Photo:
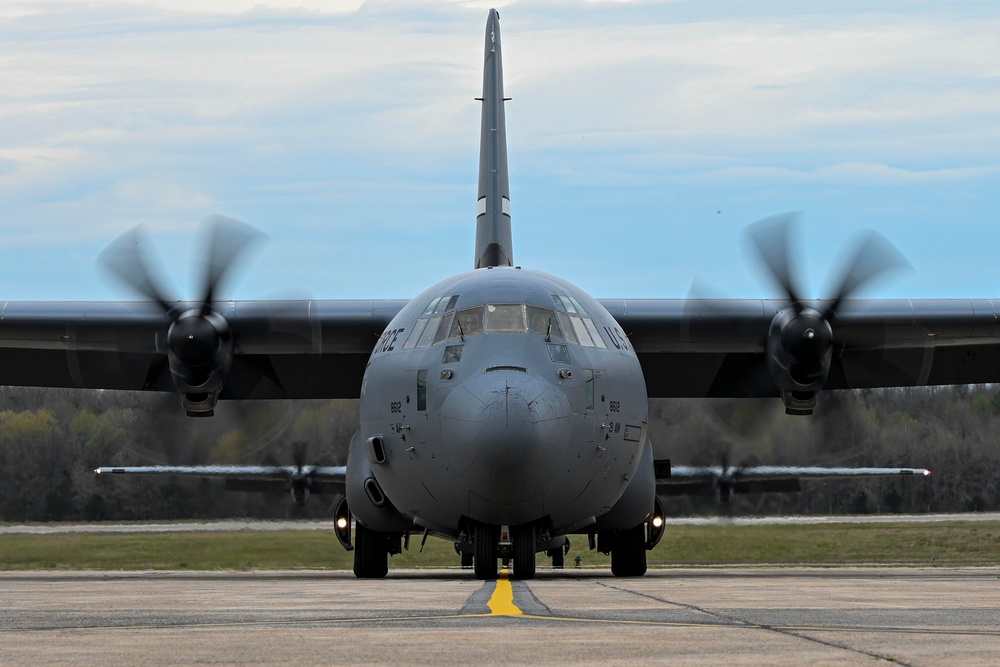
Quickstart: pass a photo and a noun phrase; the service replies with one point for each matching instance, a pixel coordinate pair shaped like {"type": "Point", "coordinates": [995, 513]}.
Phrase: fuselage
{"type": "Point", "coordinates": [504, 396]}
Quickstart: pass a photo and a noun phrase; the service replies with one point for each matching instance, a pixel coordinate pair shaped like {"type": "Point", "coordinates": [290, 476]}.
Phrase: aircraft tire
{"type": "Point", "coordinates": [524, 551]}
{"type": "Point", "coordinates": [371, 553]}
{"type": "Point", "coordinates": [628, 555]}
{"type": "Point", "coordinates": [484, 547]}
{"type": "Point", "coordinates": [467, 560]}
{"type": "Point", "coordinates": [558, 558]}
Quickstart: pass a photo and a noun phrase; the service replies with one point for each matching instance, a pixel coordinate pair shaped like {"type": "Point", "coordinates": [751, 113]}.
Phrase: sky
{"type": "Point", "coordinates": [643, 138]}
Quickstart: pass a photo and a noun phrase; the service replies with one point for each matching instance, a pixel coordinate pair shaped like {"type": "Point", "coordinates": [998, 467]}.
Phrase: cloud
{"type": "Point", "coordinates": [856, 173]}
{"type": "Point", "coordinates": [310, 118]}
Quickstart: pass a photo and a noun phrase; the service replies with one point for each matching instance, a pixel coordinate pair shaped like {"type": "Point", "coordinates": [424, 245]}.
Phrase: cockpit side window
{"type": "Point", "coordinates": [594, 333]}
{"type": "Point", "coordinates": [452, 354]}
{"type": "Point", "coordinates": [445, 304]}
{"type": "Point", "coordinates": [567, 327]}
{"type": "Point", "coordinates": [563, 303]}
{"type": "Point", "coordinates": [432, 305]}
{"type": "Point", "coordinates": [441, 305]}
{"type": "Point", "coordinates": [427, 337]}
{"type": "Point", "coordinates": [445, 328]}
{"type": "Point", "coordinates": [581, 331]}
{"type": "Point", "coordinates": [426, 330]}
{"type": "Point", "coordinates": [576, 326]}
{"type": "Point", "coordinates": [415, 333]}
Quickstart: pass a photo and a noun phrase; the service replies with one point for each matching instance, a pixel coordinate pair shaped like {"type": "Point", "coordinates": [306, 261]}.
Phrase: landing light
{"type": "Point", "coordinates": [342, 523]}
{"type": "Point", "coordinates": [657, 522]}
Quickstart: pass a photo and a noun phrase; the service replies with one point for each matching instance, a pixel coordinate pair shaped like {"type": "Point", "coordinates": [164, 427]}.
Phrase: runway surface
{"type": "Point", "coordinates": [758, 616]}
{"type": "Point", "coordinates": [236, 525]}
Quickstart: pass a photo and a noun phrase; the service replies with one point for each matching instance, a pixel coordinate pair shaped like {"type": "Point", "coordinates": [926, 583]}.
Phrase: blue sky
{"type": "Point", "coordinates": [643, 138]}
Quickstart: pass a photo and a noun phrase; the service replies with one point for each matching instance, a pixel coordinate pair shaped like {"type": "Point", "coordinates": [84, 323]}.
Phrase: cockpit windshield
{"type": "Point", "coordinates": [440, 322]}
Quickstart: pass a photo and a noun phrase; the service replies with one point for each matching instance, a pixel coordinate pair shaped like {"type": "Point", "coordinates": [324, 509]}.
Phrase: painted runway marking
{"type": "Point", "coordinates": [502, 601]}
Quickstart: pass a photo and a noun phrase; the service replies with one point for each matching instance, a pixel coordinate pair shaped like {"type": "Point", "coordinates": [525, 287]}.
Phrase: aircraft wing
{"type": "Point", "coordinates": [756, 479]}
{"type": "Point", "coordinates": [720, 347]}
{"type": "Point", "coordinates": [318, 349]}
{"type": "Point", "coordinates": [281, 349]}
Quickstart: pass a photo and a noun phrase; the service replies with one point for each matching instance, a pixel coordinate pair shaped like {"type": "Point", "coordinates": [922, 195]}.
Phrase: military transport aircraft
{"type": "Point", "coordinates": [503, 408]}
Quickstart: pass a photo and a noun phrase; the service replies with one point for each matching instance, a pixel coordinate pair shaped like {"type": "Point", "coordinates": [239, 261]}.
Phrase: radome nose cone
{"type": "Point", "coordinates": [504, 433]}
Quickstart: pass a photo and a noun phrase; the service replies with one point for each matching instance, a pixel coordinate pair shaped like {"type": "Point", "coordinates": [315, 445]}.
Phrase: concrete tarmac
{"type": "Point", "coordinates": [752, 616]}
{"type": "Point", "coordinates": [57, 528]}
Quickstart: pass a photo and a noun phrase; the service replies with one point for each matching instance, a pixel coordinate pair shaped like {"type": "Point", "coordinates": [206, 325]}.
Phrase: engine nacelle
{"type": "Point", "coordinates": [799, 355]}
{"type": "Point", "coordinates": [199, 347]}
{"type": "Point", "coordinates": [367, 500]}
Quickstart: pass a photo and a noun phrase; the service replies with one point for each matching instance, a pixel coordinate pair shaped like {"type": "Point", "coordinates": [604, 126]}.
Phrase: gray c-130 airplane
{"type": "Point", "coordinates": [503, 408]}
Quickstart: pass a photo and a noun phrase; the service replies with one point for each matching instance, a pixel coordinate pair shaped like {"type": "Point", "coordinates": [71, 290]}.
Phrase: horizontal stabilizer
{"type": "Point", "coordinates": [333, 474]}
{"type": "Point", "coordinates": [688, 474]}
{"type": "Point", "coordinates": [694, 480]}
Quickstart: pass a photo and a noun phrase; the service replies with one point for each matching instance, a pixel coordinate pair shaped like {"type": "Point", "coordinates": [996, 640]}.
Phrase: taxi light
{"type": "Point", "coordinates": [342, 524]}
{"type": "Point", "coordinates": [656, 526]}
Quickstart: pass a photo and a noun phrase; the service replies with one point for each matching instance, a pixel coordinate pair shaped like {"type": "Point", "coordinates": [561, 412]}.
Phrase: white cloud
{"type": "Point", "coordinates": [311, 116]}
{"type": "Point", "coordinates": [857, 173]}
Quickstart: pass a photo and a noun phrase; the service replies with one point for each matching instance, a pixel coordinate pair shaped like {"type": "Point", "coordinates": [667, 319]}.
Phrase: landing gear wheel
{"type": "Point", "coordinates": [628, 555]}
{"type": "Point", "coordinates": [484, 546]}
{"type": "Point", "coordinates": [524, 551]}
{"type": "Point", "coordinates": [371, 553]}
{"type": "Point", "coordinates": [466, 561]}
{"type": "Point", "coordinates": [558, 558]}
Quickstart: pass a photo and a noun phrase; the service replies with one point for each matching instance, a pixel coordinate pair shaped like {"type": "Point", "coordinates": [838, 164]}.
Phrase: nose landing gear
{"type": "Point", "coordinates": [515, 546]}
{"type": "Point", "coordinates": [524, 538]}
{"type": "Point", "coordinates": [484, 548]}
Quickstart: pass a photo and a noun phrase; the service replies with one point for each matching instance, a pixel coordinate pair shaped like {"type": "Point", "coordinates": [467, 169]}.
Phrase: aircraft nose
{"type": "Point", "coordinates": [506, 433]}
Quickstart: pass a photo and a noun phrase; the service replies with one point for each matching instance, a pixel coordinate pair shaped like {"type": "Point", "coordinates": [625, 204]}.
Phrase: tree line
{"type": "Point", "coordinates": [51, 440]}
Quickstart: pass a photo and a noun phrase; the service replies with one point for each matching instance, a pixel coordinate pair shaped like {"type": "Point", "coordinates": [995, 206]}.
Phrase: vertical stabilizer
{"type": "Point", "coordinates": [493, 242]}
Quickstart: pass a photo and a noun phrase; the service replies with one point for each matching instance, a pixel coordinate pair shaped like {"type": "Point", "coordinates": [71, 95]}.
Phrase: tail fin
{"type": "Point", "coordinates": [493, 242]}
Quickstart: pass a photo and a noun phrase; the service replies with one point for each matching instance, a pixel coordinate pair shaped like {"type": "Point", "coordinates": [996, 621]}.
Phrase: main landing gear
{"type": "Point", "coordinates": [558, 556]}
{"type": "Point", "coordinates": [371, 552]}
{"type": "Point", "coordinates": [627, 548]}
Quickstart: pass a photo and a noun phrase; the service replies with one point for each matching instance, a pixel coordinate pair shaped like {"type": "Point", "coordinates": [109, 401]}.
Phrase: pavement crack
{"type": "Point", "coordinates": [759, 626]}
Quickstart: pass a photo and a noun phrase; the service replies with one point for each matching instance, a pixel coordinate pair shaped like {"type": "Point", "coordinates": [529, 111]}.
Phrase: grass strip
{"type": "Point", "coordinates": [936, 544]}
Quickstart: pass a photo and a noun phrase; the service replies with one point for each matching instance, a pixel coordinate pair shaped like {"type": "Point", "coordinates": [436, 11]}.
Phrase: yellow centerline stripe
{"type": "Point", "coordinates": [502, 601]}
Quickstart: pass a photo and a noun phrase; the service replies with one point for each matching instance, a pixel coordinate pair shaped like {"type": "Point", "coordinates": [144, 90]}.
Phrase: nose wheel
{"type": "Point", "coordinates": [484, 546]}
{"type": "Point", "coordinates": [524, 539]}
